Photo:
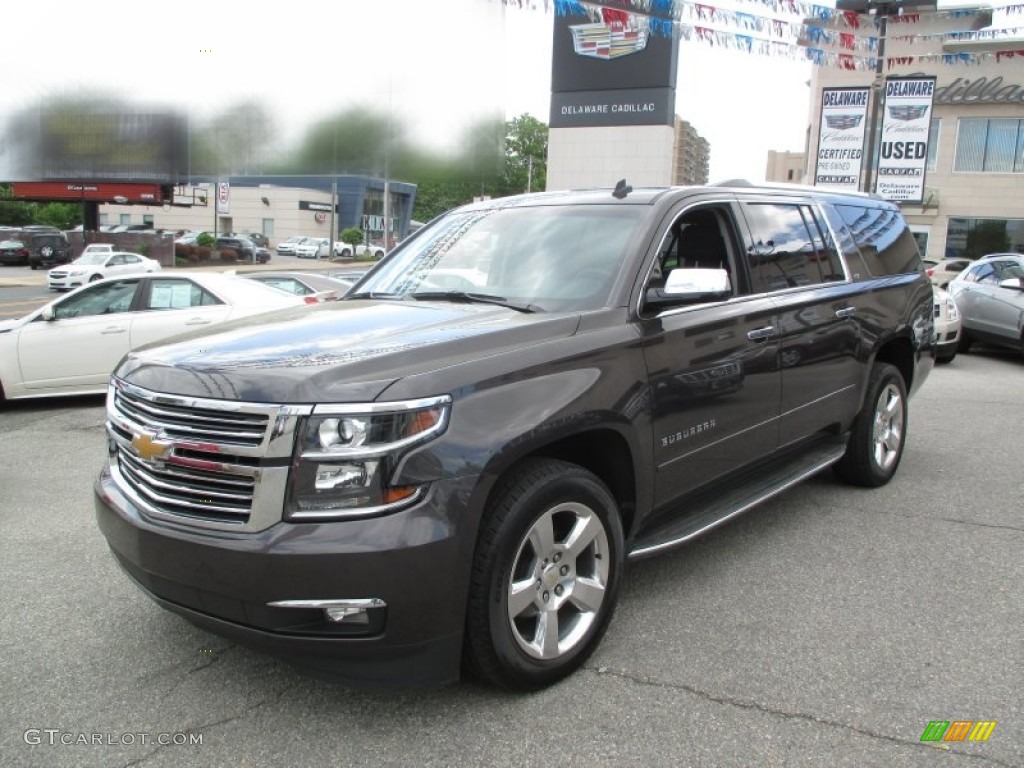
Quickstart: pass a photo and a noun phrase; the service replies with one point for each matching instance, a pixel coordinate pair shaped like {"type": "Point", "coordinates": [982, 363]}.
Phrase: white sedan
{"type": "Point", "coordinates": [90, 267]}
{"type": "Point", "coordinates": [71, 345]}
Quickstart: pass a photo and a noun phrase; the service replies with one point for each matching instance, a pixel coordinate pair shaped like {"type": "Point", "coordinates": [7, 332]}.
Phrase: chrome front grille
{"type": "Point", "coordinates": [200, 462]}
{"type": "Point", "coordinates": [188, 422]}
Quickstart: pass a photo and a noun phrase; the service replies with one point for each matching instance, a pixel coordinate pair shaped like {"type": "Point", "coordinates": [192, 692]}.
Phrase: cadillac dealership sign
{"type": "Point", "coordinates": [841, 137]}
{"type": "Point", "coordinates": [612, 66]}
{"type": "Point", "coordinates": [903, 150]}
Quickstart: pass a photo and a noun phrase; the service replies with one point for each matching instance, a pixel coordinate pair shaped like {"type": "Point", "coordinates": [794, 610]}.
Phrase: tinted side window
{"type": "Point", "coordinates": [783, 252]}
{"type": "Point", "coordinates": [883, 239]}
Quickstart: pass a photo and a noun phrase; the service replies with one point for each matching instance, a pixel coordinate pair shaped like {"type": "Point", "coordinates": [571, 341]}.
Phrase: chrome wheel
{"type": "Point", "coordinates": [887, 435]}
{"type": "Point", "coordinates": [558, 582]}
{"type": "Point", "coordinates": [545, 577]}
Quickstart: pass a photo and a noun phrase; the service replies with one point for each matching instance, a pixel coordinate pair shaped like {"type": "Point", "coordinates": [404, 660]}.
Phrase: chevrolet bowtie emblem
{"type": "Point", "coordinates": [148, 448]}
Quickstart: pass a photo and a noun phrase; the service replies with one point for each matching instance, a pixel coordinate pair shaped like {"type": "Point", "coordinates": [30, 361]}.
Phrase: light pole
{"type": "Point", "coordinates": [880, 9]}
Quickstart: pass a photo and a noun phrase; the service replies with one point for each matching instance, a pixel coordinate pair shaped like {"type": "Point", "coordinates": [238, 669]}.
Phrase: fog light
{"type": "Point", "coordinates": [353, 611]}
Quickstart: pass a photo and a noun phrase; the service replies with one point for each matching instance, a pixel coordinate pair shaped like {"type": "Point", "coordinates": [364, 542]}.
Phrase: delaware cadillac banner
{"type": "Point", "coordinates": [613, 63]}
{"type": "Point", "coordinates": [903, 150]}
{"type": "Point", "coordinates": [841, 137]}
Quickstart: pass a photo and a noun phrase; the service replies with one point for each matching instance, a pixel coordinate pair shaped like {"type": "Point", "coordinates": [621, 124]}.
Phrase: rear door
{"type": "Point", "coordinates": [173, 305]}
{"type": "Point", "coordinates": [792, 261]}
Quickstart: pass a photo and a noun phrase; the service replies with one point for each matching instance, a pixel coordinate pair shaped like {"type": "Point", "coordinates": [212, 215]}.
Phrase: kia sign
{"type": "Point", "coordinates": [903, 150]}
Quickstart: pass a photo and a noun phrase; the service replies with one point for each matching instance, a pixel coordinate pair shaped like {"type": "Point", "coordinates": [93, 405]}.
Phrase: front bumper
{"type": "Point", "coordinates": [65, 283]}
{"type": "Point", "coordinates": [415, 561]}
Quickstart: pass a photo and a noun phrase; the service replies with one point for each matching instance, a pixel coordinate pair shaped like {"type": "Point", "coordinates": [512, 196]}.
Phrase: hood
{"type": "Point", "coordinates": [334, 352]}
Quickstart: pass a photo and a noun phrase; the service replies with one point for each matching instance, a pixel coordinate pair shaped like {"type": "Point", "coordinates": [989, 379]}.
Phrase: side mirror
{"type": "Point", "coordinates": [47, 314]}
{"type": "Point", "coordinates": [688, 286]}
{"type": "Point", "coordinates": [1016, 283]}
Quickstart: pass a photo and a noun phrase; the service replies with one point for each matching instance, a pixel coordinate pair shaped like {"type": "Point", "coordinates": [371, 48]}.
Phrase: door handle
{"type": "Point", "coordinates": [198, 321]}
{"type": "Point", "coordinates": [760, 334]}
{"type": "Point", "coordinates": [846, 312]}
{"type": "Point", "coordinates": [114, 329]}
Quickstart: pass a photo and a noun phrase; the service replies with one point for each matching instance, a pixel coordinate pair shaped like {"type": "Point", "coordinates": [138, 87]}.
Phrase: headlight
{"type": "Point", "coordinates": [951, 309]}
{"type": "Point", "coordinates": [346, 454]}
{"type": "Point", "coordinates": [75, 272]}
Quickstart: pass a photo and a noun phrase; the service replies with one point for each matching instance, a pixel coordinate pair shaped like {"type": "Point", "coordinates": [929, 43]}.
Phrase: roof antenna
{"type": "Point", "coordinates": [621, 190]}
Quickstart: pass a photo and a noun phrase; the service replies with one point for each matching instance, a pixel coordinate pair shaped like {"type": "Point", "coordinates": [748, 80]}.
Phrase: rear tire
{"type": "Point", "coordinates": [545, 576]}
{"type": "Point", "coordinates": [879, 431]}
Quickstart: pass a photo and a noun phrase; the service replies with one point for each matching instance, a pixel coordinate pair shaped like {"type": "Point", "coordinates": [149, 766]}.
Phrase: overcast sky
{"type": "Point", "coordinates": [437, 65]}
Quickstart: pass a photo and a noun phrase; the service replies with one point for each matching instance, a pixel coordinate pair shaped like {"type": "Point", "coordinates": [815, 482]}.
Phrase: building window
{"type": "Point", "coordinates": [990, 145]}
{"type": "Point", "coordinates": [267, 227]}
{"type": "Point", "coordinates": [933, 145]}
{"type": "Point", "coordinates": [973, 238]}
{"type": "Point", "coordinates": [126, 218]}
{"type": "Point", "coordinates": [147, 219]}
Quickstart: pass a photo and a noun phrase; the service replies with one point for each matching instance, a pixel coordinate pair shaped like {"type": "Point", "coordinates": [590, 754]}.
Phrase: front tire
{"type": "Point", "coordinates": [545, 576]}
{"type": "Point", "coordinates": [879, 431]}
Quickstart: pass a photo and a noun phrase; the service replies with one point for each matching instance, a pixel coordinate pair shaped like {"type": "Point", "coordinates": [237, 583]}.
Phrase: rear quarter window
{"type": "Point", "coordinates": [882, 238]}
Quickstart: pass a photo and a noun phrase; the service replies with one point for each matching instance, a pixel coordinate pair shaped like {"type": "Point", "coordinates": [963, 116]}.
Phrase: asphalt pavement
{"type": "Point", "coordinates": [827, 627]}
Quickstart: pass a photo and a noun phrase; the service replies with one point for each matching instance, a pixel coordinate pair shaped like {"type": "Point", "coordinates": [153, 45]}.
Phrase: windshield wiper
{"type": "Point", "coordinates": [475, 298]}
{"type": "Point", "coordinates": [374, 295]}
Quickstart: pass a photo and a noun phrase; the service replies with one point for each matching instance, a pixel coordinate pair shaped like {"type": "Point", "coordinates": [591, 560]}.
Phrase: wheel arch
{"type": "Point", "coordinates": [899, 352]}
{"type": "Point", "coordinates": [604, 452]}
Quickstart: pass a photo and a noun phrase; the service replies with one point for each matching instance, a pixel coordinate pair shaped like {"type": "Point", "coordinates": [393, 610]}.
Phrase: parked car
{"type": "Point", "coordinates": [941, 271]}
{"type": "Point", "coordinates": [411, 478]}
{"type": "Point", "coordinates": [14, 252]}
{"type": "Point", "coordinates": [246, 249]}
{"type": "Point", "coordinates": [47, 249]}
{"type": "Point", "coordinates": [70, 346]}
{"type": "Point", "coordinates": [312, 287]}
{"type": "Point", "coordinates": [90, 267]}
{"type": "Point", "coordinates": [191, 238]}
{"type": "Point", "coordinates": [947, 327]}
{"type": "Point", "coordinates": [91, 248]}
{"type": "Point", "coordinates": [344, 250]}
{"type": "Point", "coordinates": [287, 247]}
{"type": "Point", "coordinates": [313, 248]}
{"type": "Point", "coordinates": [990, 297]}
{"type": "Point", "coordinates": [348, 276]}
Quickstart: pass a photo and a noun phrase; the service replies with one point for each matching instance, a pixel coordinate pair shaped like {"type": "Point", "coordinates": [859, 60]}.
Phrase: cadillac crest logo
{"type": "Point", "coordinates": [149, 448]}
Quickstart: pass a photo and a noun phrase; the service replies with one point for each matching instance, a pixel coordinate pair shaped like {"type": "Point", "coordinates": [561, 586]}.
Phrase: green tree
{"type": "Point", "coordinates": [526, 154]}
{"type": "Point", "coordinates": [352, 236]}
{"type": "Point", "coordinates": [239, 140]}
{"type": "Point", "coordinates": [356, 141]}
{"type": "Point", "coordinates": [60, 215]}
{"type": "Point", "coordinates": [15, 213]}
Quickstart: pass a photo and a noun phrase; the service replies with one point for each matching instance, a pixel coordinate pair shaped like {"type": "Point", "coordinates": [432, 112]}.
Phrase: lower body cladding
{"type": "Point", "coordinates": [374, 601]}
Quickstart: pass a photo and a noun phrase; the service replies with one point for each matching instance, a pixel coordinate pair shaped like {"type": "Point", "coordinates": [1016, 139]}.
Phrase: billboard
{"type": "Point", "coordinates": [71, 144]}
{"type": "Point", "coordinates": [903, 149]}
{"type": "Point", "coordinates": [612, 66]}
{"type": "Point", "coordinates": [843, 120]}
{"type": "Point", "coordinates": [151, 194]}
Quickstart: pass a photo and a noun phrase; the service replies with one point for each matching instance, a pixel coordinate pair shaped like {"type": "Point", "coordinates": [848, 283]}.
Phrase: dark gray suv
{"type": "Point", "coordinates": [449, 469]}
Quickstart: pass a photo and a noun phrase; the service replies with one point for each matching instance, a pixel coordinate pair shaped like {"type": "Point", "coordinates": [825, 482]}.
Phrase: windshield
{"type": "Point", "coordinates": [545, 257]}
{"type": "Point", "coordinates": [93, 258]}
